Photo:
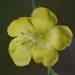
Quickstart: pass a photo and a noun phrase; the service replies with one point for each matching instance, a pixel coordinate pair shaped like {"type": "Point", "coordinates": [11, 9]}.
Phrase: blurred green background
{"type": "Point", "coordinates": [12, 9]}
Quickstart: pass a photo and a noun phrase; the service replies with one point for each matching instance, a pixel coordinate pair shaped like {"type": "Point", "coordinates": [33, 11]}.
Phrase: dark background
{"type": "Point", "coordinates": [12, 9]}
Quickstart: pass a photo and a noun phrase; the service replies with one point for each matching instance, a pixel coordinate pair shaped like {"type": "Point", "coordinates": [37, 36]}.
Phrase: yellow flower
{"type": "Point", "coordinates": [38, 37]}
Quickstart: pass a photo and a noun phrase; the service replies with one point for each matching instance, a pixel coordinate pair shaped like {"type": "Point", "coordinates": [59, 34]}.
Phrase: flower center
{"type": "Point", "coordinates": [35, 38]}
{"type": "Point", "coordinates": [39, 35]}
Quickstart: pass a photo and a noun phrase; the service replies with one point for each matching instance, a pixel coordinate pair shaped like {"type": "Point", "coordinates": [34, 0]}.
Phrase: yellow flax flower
{"type": "Point", "coordinates": [38, 37]}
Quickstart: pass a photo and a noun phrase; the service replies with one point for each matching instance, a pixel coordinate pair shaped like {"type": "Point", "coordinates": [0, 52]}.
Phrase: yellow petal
{"type": "Point", "coordinates": [19, 51]}
{"type": "Point", "coordinates": [44, 54]}
{"type": "Point", "coordinates": [20, 25]}
{"type": "Point", "coordinates": [42, 19]}
{"type": "Point", "coordinates": [37, 52]}
{"type": "Point", "coordinates": [50, 57]}
{"type": "Point", "coordinates": [59, 37]}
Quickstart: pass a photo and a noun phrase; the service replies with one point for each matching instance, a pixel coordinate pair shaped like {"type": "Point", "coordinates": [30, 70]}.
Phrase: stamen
{"type": "Point", "coordinates": [27, 35]}
{"type": "Point", "coordinates": [31, 37]}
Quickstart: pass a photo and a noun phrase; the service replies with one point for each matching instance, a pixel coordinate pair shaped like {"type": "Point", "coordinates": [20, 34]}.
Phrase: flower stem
{"type": "Point", "coordinates": [33, 4]}
{"type": "Point", "coordinates": [51, 72]}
